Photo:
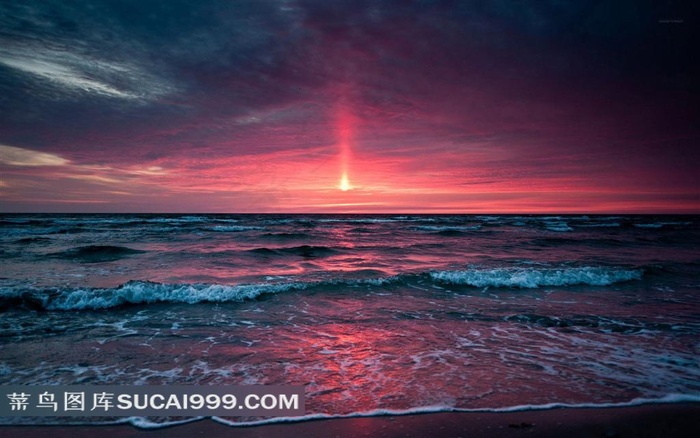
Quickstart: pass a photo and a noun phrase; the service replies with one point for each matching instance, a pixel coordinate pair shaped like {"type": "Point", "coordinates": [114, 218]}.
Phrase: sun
{"type": "Point", "coordinates": [344, 183]}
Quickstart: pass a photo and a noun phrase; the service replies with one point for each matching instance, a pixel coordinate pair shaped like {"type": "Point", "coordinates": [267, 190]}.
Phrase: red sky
{"type": "Point", "coordinates": [264, 106]}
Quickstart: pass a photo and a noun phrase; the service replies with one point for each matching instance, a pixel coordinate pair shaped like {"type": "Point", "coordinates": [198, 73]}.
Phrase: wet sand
{"type": "Point", "coordinates": [661, 420]}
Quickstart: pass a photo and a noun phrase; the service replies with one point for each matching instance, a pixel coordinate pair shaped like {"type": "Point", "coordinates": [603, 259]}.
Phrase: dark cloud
{"type": "Point", "coordinates": [558, 89]}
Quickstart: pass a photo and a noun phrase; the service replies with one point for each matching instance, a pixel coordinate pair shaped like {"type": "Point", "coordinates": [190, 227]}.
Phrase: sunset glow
{"type": "Point", "coordinates": [335, 107]}
{"type": "Point", "coordinates": [344, 183]}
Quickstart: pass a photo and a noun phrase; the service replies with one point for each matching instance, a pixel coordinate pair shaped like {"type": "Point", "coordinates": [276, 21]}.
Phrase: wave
{"type": "Point", "coordinates": [447, 229]}
{"type": "Point", "coordinates": [29, 240]}
{"type": "Point", "coordinates": [653, 225]}
{"type": "Point", "coordinates": [557, 226]}
{"type": "Point", "coordinates": [602, 323]}
{"type": "Point", "coordinates": [303, 251]}
{"type": "Point", "coordinates": [285, 236]}
{"type": "Point", "coordinates": [137, 292]}
{"type": "Point", "coordinates": [156, 219]}
{"type": "Point", "coordinates": [97, 253]}
{"type": "Point", "coordinates": [146, 292]}
{"type": "Point", "coordinates": [234, 228]}
{"type": "Point", "coordinates": [537, 277]}
{"type": "Point", "coordinates": [20, 221]}
{"type": "Point", "coordinates": [657, 225]}
{"type": "Point", "coordinates": [601, 225]}
{"type": "Point", "coordinates": [667, 399]}
{"type": "Point", "coordinates": [556, 241]}
{"type": "Point", "coordinates": [138, 221]}
{"type": "Point", "coordinates": [370, 220]}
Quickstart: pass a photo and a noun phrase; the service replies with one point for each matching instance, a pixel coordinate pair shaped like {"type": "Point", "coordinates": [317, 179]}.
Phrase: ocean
{"type": "Point", "coordinates": [373, 314]}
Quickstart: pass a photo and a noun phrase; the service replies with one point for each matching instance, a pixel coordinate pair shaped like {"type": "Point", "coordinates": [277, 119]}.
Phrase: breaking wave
{"type": "Point", "coordinates": [537, 277]}
{"type": "Point", "coordinates": [146, 292]}
{"type": "Point", "coordinates": [97, 253]}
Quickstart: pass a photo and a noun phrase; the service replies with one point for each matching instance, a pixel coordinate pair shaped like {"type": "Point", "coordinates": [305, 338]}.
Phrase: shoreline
{"type": "Point", "coordinates": [650, 420]}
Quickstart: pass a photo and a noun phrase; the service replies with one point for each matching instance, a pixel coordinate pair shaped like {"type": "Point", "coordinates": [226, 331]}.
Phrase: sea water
{"type": "Point", "coordinates": [371, 313]}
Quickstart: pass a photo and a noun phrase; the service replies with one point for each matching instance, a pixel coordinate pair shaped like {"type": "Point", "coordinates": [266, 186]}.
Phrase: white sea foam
{"type": "Point", "coordinates": [601, 225]}
{"type": "Point", "coordinates": [669, 398]}
{"type": "Point", "coordinates": [146, 423]}
{"type": "Point", "coordinates": [146, 292]}
{"type": "Point", "coordinates": [660, 224]}
{"type": "Point", "coordinates": [234, 228]}
{"type": "Point", "coordinates": [143, 423]}
{"type": "Point", "coordinates": [365, 220]}
{"type": "Point", "coordinates": [448, 228]}
{"type": "Point", "coordinates": [534, 277]}
{"type": "Point", "coordinates": [558, 226]}
{"type": "Point", "coordinates": [139, 292]}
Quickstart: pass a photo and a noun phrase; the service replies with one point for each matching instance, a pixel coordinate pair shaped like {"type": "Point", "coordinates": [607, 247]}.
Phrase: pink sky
{"type": "Point", "coordinates": [445, 109]}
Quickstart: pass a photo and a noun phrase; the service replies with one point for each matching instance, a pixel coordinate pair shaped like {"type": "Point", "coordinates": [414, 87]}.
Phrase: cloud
{"type": "Point", "coordinates": [64, 76]}
{"type": "Point", "coordinates": [82, 74]}
{"type": "Point", "coordinates": [14, 156]}
{"type": "Point", "coordinates": [33, 164]}
{"type": "Point", "coordinates": [73, 52]}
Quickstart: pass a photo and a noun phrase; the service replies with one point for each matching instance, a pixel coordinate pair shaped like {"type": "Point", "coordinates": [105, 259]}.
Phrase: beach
{"type": "Point", "coordinates": [658, 420]}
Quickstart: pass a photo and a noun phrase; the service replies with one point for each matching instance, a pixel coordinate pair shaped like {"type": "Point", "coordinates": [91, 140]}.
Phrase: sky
{"type": "Point", "coordinates": [332, 106]}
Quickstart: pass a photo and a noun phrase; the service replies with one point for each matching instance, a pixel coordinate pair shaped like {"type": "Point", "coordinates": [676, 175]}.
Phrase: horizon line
{"type": "Point", "coordinates": [367, 213]}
